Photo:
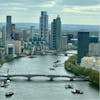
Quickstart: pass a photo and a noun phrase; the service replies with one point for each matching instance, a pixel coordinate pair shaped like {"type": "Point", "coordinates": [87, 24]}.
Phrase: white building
{"type": "Point", "coordinates": [94, 49]}
{"type": "Point", "coordinates": [10, 49]}
{"type": "Point", "coordinates": [91, 62]}
{"type": "Point", "coordinates": [17, 46]}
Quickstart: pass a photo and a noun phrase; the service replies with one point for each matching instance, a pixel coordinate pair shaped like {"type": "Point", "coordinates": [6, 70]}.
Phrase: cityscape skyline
{"type": "Point", "coordinates": [71, 12]}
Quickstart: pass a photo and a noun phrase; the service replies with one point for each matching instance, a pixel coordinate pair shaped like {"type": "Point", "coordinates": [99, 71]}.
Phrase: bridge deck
{"type": "Point", "coordinates": [39, 75]}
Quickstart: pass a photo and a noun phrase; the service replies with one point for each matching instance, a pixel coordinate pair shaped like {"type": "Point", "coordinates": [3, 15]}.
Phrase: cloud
{"type": "Point", "coordinates": [82, 9]}
{"type": "Point", "coordinates": [26, 10]}
{"type": "Point", "coordinates": [48, 4]}
{"type": "Point", "coordinates": [80, 2]}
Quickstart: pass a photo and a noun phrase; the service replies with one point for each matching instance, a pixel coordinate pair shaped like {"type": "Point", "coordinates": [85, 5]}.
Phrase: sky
{"type": "Point", "coordinates": [71, 11]}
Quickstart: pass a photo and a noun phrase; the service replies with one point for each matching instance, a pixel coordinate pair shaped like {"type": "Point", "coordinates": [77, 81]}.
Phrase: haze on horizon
{"type": "Point", "coordinates": [70, 11]}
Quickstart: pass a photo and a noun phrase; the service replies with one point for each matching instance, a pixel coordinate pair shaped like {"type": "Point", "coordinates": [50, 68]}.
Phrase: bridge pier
{"type": "Point", "coordinates": [8, 78]}
{"type": "Point", "coordinates": [29, 78]}
{"type": "Point", "coordinates": [71, 79]}
{"type": "Point", "coordinates": [51, 79]}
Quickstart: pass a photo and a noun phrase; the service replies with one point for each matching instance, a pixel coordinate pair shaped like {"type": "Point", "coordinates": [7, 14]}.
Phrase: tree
{"type": "Point", "coordinates": [8, 57]}
{"type": "Point", "coordinates": [1, 61]}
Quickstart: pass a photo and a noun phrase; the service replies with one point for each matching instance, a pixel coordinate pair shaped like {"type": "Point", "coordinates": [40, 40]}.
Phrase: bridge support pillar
{"type": "Point", "coordinates": [51, 78]}
{"type": "Point", "coordinates": [29, 78]}
{"type": "Point", "coordinates": [71, 79]}
{"type": "Point", "coordinates": [8, 78]}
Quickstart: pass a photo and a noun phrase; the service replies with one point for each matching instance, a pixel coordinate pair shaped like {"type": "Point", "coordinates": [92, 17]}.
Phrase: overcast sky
{"type": "Point", "coordinates": [70, 11]}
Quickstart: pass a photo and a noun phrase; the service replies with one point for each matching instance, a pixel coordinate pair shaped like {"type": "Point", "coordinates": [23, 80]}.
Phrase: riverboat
{"type": "Point", "coordinates": [77, 92]}
{"type": "Point", "coordinates": [9, 94]}
{"type": "Point", "coordinates": [69, 86]}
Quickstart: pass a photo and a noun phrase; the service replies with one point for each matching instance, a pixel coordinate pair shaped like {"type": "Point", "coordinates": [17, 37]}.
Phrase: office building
{"type": "Point", "coordinates": [32, 33]}
{"type": "Point", "coordinates": [8, 28]}
{"type": "Point", "coordinates": [44, 26]}
{"type": "Point", "coordinates": [83, 45]}
{"type": "Point", "coordinates": [0, 39]}
{"type": "Point", "coordinates": [13, 28]}
{"type": "Point", "coordinates": [10, 49]}
{"type": "Point", "coordinates": [56, 34]}
{"type": "Point", "coordinates": [25, 36]}
{"type": "Point", "coordinates": [94, 39]}
{"type": "Point", "coordinates": [15, 46]}
{"type": "Point", "coordinates": [17, 36]}
{"type": "Point", "coordinates": [3, 36]}
{"type": "Point", "coordinates": [64, 42]}
{"type": "Point", "coordinates": [94, 49]}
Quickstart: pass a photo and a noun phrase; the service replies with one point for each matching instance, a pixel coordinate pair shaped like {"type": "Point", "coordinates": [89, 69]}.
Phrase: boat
{"type": "Point", "coordinates": [31, 56]}
{"type": "Point", "coordinates": [68, 86]}
{"type": "Point", "coordinates": [77, 92]}
{"type": "Point", "coordinates": [3, 84]}
{"type": "Point", "coordinates": [57, 61]}
{"type": "Point", "coordinates": [51, 68]}
{"type": "Point", "coordinates": [55, 65]}
{"type": "Point", "coordinates": [9, 94]}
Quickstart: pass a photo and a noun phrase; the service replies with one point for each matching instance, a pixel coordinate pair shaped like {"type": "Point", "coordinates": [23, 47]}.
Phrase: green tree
{"type": "Point", "coordinates": [1, 61]}
{"type": "Point", "coordinates": [8, 57]}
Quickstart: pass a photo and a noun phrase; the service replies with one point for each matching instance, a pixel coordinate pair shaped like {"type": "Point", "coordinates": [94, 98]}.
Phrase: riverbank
{"type": "Point", "coordinates": [70, 65]}
{"type": "Point", "coordinates": [8, 58]}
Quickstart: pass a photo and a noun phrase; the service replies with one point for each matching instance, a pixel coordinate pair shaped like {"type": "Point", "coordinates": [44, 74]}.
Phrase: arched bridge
{"type": "Point", "coordinates": [29, 76]}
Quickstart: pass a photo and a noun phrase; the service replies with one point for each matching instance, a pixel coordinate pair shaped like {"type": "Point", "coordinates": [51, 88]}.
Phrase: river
{"type": "Point", "coordinates": [40, 88]}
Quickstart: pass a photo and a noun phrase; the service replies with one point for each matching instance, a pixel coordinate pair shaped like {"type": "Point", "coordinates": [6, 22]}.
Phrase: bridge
{"type": "Point", "coordinates": [29, 76]}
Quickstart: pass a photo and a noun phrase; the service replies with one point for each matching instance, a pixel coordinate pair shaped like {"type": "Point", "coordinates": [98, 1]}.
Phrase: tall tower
{"type": "Point", "coordinates": [8, 27]}
{"type": "Point", "coordinates": [56, 34]}
{"type": "Point", "coordinates": [32, 33]}
{"type": "Point", "coordinates": [83, 45]}
{"type": "Point", "coordinates": [44, 26]}
{"type": "Point", "coordinates": [13, 28]}
{"type": "Point", "coordinates": [3, 36]}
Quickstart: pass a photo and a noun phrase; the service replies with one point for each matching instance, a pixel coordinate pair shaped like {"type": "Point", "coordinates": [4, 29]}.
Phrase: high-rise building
{"type": "Point", "coordinates": [44, 26]}
{"type": "Point", "coordinates": [13, 27]}
{"type": "Point", "coordinates": [64, 42]}
{"type": "Point", "coordinates": [56, 34]}
{"type": "Point", "coordinates": [3, 36]}
{"type": "Point", "coordinates": [8, 27]}
{"type": "Point", "coordinates": [25, 36]}
{"type": "Point", "coordinates": [0, 39]}
{"type": "Point", "coordinates": [16, 36]}
{"type": "Point", "coordinates": [32, 34]}
{"type": "Point", "coordinates": [83, 45]}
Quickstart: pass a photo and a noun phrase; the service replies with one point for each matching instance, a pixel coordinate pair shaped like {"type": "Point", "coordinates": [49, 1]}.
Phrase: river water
{"type": "Point", "coordinates": [40, 88]}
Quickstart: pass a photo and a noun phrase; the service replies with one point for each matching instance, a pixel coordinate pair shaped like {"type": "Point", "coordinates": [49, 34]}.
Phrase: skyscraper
{"type": "Point", "coordinates": [3, 36]}
{"type": "Point", "coordinates": [83, 45]}
{"type": "Point", "coordinates": [13, 28]}
{"type": "Point", "coordinates": [8, 27]}
{"type": "Point", "coordinates": [32, 33]}
{"type": "Point", "coordinates": [56, 34]}
{"type": "Point", "coordinates": [44, 26]}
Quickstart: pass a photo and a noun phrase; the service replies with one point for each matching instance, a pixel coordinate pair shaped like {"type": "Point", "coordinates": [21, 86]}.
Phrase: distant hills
{"type": "Point", "coordinates": [69, 27]}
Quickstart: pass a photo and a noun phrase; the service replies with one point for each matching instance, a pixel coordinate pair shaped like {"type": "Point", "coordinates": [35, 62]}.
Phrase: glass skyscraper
{"type": "Point", "coordinates": [44, 26]}
{"type": "Point", "coordinates": [8, 27]}
{"type": "Point", "coordinates": [83, 45]}
{"type": "Point", "coordinates": [56, 34]}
